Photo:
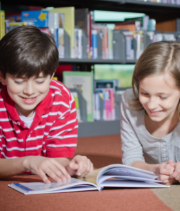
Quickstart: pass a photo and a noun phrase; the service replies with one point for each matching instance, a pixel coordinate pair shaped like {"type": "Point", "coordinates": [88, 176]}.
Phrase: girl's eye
{"type": "Point", "coordinates": [144, 93]}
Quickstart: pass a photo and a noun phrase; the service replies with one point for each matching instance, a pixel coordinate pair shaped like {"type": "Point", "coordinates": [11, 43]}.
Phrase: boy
{"type": "Point", "coordinates": [38, 124]}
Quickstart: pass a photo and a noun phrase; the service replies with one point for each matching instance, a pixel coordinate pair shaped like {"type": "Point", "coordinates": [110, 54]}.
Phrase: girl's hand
{"type": "Point", "coordinates": [176, 173]}
{"type": "Point", "coordinates": [165, 172]}
{"type": "Point", "coordinates": [43, 166]}
{"type": "Point", "coordinates": [79, 165]}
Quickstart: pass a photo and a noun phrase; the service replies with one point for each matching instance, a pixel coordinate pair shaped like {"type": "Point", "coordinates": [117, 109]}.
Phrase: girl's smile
{"type": "Point", "coordinates": [159, 96]}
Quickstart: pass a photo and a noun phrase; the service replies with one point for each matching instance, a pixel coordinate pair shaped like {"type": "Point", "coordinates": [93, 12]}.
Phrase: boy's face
{"type": "Point", "coordinates": [27, 93]}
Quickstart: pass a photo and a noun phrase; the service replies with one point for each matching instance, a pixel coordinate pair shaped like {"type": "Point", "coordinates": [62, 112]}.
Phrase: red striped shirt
{"type": "Point", "coordinates": [53, 132]}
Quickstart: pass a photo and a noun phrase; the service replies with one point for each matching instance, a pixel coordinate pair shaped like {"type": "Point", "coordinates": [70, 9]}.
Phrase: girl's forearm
{"type": "Point", "coordinates": [145, 166]}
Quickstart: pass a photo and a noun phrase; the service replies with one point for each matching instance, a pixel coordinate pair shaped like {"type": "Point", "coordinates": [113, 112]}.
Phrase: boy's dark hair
{"type": "Point", "coordinates": [26, 52]}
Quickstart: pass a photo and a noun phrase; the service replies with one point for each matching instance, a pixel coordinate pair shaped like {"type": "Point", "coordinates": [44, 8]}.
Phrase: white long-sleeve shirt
{"type": "Point", "coordinates": [138, 144]}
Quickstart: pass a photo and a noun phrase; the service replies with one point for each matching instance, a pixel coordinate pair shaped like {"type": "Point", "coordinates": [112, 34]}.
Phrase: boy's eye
{"type": "Point", "coordinates": [18, 82]}
{"type": "Point", "coordinates": [163, 98]}
{"type": "Point", "coordinates": [40, 82]}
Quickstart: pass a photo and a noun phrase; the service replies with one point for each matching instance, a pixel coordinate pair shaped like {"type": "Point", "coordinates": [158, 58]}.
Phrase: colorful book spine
{"type": "Point", "coordinates": [94, 44]}
{"type": "Point", "coordinates": [55, 35]}
{"type": "Point", "coordinates": [97, 106]}
{"type": "Point", "coordinates": [90, 37]}
{"type": "Point", "coordinates": [80, 32]}
{"type": "Point", "coordinates": [129, 45]}
{"type": "Point", "coordinates": [2, 24]}
{"type": "Point", "coordinates": [75, 96]}
{"type": "Point", "coordinates": [61, 48]}
{"type": "Point", "coordinates": [6, 26]}
{"type": "Point", "coordinates": [110, 43]}
{"type": "Point", "coordinates": [109, 104]}
{"type": "Point", "coordinates": [78, 43]}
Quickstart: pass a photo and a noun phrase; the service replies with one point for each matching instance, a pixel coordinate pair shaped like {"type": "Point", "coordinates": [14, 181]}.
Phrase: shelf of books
{"type": "Point", "coordinates": [80, 40]}
{"type": "Point", "coordinates": [158, 3]}
{"type": "Point", "coordinates": [97, 103]}
{"type": "Point", "coordinates": [92, 61]}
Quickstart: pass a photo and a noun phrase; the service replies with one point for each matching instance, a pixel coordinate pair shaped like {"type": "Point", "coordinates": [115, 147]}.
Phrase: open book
{"type": "Point", "coordinates": [115, 175]}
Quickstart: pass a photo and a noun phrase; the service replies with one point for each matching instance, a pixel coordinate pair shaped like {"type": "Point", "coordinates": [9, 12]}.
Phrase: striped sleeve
{"type": "Point", "coordinates": [1, 144]}
{"type": "Point", "coordinates": [62, 138]}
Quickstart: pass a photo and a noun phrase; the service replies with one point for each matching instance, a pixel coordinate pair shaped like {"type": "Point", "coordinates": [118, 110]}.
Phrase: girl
{"type": "Point", "coordinates": [150, 113]}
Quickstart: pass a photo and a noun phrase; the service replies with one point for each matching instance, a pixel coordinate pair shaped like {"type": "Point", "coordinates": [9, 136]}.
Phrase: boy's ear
{"type": "Point", "coordinates": [52, 76]}
{"type": "Point", "coordinates": [2, 79]}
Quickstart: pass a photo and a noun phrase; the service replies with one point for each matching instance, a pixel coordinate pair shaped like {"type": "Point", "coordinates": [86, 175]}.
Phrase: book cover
{"type": "Point", "coordinates": [122, 72]}
{"type": "Point", "coordinates": [129, 45]}
{"type": "Point", "coordinates": [13, 25]}
{"type": "Point", "coordinates": [108, 101]}
{"type": "Point", "coordinates": [38, 18]}
{"type": "Point", "coordinates": [129, 26]}
{"type": "Point", "coordinates": [45, 30]}
{"type": "Point", "coordinates": [115, 175]}
{"type": "Point", "coordinates": [97, 107]}
{"type": "Point", "coordinates": [2, 24]}
{"type": "Point", "coordinates": [6, 26]}
{"type": "Point", "coordinates": [69, 23]}
{"type": "Point", "coordinates": [103, 34]}
{"type": "Point", "coordinates": [81, 21]}
{"type": "Point", "coordinates": [13, 17]}
{"type": "Point", "coordinates": [83, 81]}
{"type": "Point", "coordinates": [111, 83]}
{"type": "Point", "coordinates": [139, 36]}
{"type": "Point", "coordinates": [53, 21]}
{"type": "Point", "coordinates": [55, 34]}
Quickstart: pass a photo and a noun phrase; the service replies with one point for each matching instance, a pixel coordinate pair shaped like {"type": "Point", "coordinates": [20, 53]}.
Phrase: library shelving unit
{"type": "Point", "coordinates": [162, 12]}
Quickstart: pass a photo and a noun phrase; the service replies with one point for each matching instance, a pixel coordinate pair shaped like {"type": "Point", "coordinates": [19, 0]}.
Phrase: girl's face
{"type": "Point", "coordinates": [159, 96]}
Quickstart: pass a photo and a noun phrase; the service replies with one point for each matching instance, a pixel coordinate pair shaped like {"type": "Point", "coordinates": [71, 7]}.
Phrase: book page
{"type": "Point", "coordinates": [91, 177]}
{"type": "Point", "coordinates": [132, 184]}
{"type": "Point", "coordinates": [117, 178]}
{"type": "Point", "coordinates": [70, 185]}
{"type": "Point", "coordinates": [129, 172]}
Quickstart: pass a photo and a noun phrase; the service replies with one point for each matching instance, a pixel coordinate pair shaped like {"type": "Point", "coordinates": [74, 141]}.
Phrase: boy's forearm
{"type": "Point", "coordinates": [11, 167]}
{"type": "Point", "coordinates": [145, 166]}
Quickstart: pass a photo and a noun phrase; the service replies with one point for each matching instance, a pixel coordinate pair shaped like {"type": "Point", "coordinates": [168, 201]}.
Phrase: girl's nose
{"type": "Point", "coordinates": [152, 103]}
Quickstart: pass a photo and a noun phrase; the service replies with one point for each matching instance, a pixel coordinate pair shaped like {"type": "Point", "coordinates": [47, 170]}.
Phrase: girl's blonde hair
{"type": "Point", "coordinates": [157, 58]}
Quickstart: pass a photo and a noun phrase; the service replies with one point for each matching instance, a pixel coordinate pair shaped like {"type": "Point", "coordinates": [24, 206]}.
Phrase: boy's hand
{"type": "Point", "coordinates": [79, 165]}
{"type": "Point", "coordinates": [164, 171]}
{"type": "Point", "coordinates": [176, 173]}
{"type": "Point", "coordinates": [43, 166]}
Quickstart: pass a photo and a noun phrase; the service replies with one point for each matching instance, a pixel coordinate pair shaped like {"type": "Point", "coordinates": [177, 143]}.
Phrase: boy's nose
{"type": "Point", "coordinates": [29, 90]}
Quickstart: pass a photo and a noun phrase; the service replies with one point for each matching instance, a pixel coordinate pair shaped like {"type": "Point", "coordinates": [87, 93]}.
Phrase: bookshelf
{"type": "Point", "coordinates": [92, 61]}
{"type": "Point", "coordinates": [164, 13]}
{"type": "Point", "coordinates": [109, 5]}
